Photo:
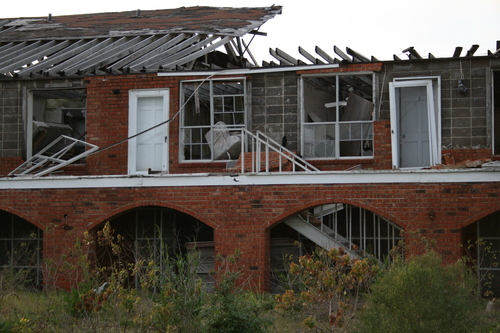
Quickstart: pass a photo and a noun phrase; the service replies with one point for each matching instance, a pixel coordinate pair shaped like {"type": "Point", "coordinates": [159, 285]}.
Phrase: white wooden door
{"type": "Point", "coordinates": [149, 150]}
{"type": "Point", "coordinates": [414, 124]}
{"type": "Point", "coordinates": [413, 127]}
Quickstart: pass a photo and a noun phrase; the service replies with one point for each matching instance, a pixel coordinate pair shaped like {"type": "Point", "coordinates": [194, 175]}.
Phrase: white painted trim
{"type": "Point", "coordinates": [247, 71]}
{"type": "Point", "coordinates": [490, 175]}
{"type": "Point", "coordinates": [29, 126]}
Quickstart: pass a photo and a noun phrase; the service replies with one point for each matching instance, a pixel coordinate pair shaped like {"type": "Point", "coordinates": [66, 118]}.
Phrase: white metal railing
{"type": "Point", "coordinates": [355, 228]}
{"type": "Point", "coordinates": [53, 157]}
{"type": "Point", "coordinates": [260, 148]}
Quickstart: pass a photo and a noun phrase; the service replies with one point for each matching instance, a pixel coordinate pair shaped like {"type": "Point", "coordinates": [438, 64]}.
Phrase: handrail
{"type": "Point", "coordinates": [259, 144]}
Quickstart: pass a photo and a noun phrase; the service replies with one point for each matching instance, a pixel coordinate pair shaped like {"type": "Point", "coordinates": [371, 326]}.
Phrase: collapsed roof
{"type": "Point", "coordinates": [140, 41]}
{"type": "Point", "coordinates": [351, 56]}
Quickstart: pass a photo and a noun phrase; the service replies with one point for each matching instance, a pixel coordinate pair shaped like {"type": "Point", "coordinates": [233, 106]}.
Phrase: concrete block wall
{"type": "Point", "coordinates": [465, 118]}
{"type": "Point", "coordinates": [13, 111]}
{"type": "Point", "coordinates": [11, 122]}
{"type": "Point", "coordinates": [275, 110]}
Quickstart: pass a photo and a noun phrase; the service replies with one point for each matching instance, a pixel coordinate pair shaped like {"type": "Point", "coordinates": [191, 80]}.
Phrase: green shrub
{"type": "Point", "coordinates": [422, 294]}
{"type": "Point", "coordinates": [327, 288]}
{"type": "Point", "coordinates": [230, 309]}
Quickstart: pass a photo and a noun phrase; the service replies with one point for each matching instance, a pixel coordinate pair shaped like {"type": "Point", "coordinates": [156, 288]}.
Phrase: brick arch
{"type": "Point", "coordinates": [478, 217]}
{"type": "Point", "coordinates": [323, 201]}
{"type": "Point", "coordinates": [23, 216]}
{"type": "Point", "coordinates": [146, 203]}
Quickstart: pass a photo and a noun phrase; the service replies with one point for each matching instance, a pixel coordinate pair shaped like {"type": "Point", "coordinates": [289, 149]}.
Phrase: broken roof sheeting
{"type": "Point", "coordinates": [121, 42]}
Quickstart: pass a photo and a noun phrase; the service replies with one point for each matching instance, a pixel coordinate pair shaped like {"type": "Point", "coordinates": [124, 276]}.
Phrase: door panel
{"type": "Point", "coordinates": [415, 122]}
{"type": "Point", "coordinates": [150, 144]}
{"type": "Point", "coordinates": [149, 150]}
{"type": "Point", "coordinates": [414, 127]}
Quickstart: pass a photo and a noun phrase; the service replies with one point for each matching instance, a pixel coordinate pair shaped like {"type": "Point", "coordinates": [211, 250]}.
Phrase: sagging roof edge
{"type": "Point", "coordinates": [241, 23]}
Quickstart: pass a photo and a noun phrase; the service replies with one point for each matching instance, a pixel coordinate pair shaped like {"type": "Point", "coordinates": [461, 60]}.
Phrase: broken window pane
{"type": "Point", "coordinates": [338, 116]}
{"type": "Point", "coordinates": [56, 113]}
{"type": "Point", "coordinates": [213, 112]}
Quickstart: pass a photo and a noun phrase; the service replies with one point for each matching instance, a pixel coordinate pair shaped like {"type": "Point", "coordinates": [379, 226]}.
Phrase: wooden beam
{"type": "Point", "coordinates": [283, 61]}
{"type": "Point", "coordinates": [26, 56]}
{"type": "Point", "coordinates": [413, 54]}
{"type": "Point", "coordinates": [310, 57]}
{"type": "Point", "coordinates": [11, 48]}
{"type": "Point", "coordinates": [184, 57]}
{"type": "Point", "coordinates": [155, 57]}
{"type": "Point", "coordinates": [79, 57]}
{"type": "Point", "coordinates": [256, 32]}
{"type": "Point", "coordinates": [64, 54]}
{"type": "Point", "coordinates": [458, 51]}
{"type": "Point", "coordinates": [324, 55]}
{"type": "Point", "coordinates": [247, 50]}
{"type": "Point", "coordinates": [357, 55]}
{"type": "Point", "coordinates": [104, 56]}
{"type": "Point", "coordinates": [341, 54]}
{"type": "Point", "coordinates": [143, 48]}
{"type": "Point", "coordinates": [47, 53]}
{"type": "Point", "coordinates": [472, 50]}
{"type": "Point", "coordinates": [78, 63]}
{"type": "Point", "coordinates": [286, 56]}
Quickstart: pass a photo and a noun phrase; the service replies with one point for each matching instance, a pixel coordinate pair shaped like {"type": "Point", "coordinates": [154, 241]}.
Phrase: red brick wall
{"type": "Point", "coordinates": [107, 123]}
{"type": "Point", "coordinates": [461, 155]}
{"type": "Point", "coordinates": [242, 215]}
{"type": "Point", "coordinates": [8, 164]}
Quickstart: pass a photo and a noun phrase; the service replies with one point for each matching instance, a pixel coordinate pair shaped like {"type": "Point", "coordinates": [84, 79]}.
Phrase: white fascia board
{"type": "Point", "coordinates": [247, 71]}
{"type": "Point", "coordinates": [491, 175]}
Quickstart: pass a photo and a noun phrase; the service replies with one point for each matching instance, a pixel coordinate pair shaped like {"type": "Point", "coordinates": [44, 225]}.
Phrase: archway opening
{"type": "Point", "coordinates": [20, 251]}
{"type": "Point", "coordinates": [357, 231]}
{"type": "Point", "coordinates": [155, 234]}
{"type": "Point", "coordinates": [481, 243]}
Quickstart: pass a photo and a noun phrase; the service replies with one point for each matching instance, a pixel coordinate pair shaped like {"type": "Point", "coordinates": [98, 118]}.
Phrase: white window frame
{"type": "Point", "coordinates": [495, 150]}
{"type": "Point", "coordinates": [337, 123]}
{"type": "Point", "coordinates": [28, 105]}
{"type": "Point", "coordinates": [433, 88]}
{"type": "Point", "coordinates": [134, 95]}
{"type": "Point", "coordinates": [212, 124]}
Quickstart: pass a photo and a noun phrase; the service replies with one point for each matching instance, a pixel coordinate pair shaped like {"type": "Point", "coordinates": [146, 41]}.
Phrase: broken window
{"type": "Point", "coordinates": [213, 113]}
{"type": "Point", "coordinates": [337, 115]}
{"type": "Point", "coordinates": [54, 113]}
{"type": "Point", "coordinates": [21, 249]}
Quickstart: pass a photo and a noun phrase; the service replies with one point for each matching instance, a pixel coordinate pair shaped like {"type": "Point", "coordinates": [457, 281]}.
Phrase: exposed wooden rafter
{"type": "Point", "coordinates": [116, 43]}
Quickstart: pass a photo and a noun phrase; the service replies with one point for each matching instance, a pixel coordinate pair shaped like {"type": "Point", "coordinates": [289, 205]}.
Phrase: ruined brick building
{"type": "Point", "coordinates": [161, 123]}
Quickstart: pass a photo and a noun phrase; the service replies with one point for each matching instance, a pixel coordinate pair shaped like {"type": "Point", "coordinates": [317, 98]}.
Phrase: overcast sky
{"type": "Point", "coordinates": [371, 27]}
